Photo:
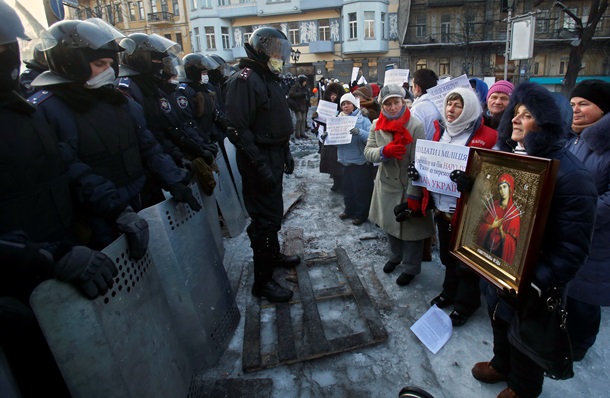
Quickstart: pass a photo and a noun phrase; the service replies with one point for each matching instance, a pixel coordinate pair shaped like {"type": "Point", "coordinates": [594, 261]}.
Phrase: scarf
{"type": "Point", "coordinates": [579, 129]}
{"type": "Point", "coordinates": [396, 127]}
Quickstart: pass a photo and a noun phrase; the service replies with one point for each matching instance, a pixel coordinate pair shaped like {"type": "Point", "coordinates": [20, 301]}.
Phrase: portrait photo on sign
{"type": "Point", "coordinates": [499, 222]}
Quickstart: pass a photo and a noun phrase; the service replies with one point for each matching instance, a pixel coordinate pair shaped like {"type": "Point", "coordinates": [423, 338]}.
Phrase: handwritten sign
{"type": "Point", "coordinates": [326, 110]}
{"type": "Point", "coordinates": [396, 76]}
{"type": "Point", "coordinates": [435, 161]}
{"type": "Point", "coordinates": [338, 130]}
{"type": "Point", "coordinates": [438, 93]}
{"type": "Point", "coordinates": [355, 71]}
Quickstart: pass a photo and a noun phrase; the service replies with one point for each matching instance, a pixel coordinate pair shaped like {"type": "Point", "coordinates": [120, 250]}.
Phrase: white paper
{"type": "Point", "coordinates": [362, 81]}
{"type": "Point", "coordinates": [489, 80]}
{"type": "Point", "coordinates": [438, 93]}
{"type": "Point", "coordinates": [326, 110]}
{"type": "Point", "coordinates": [433, 329]}
{"type": "Point", "coordinates": [355, 70]}
{"type": "Point", "coordinates": [396, 76]}
{"type": "Point", "coordinates": [338, 130]}
{"type": "Point", "coordinates": [435, 161]}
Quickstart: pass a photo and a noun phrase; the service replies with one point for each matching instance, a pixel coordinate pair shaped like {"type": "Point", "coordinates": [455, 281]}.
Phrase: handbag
{"type": "Point", "coordinates": [539, 330]}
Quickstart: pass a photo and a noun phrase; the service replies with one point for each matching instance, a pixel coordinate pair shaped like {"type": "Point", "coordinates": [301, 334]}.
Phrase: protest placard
{"type": "Point", "coordinates": [338, 130]}
{"type": "Point", "coordinates": [355, 70]}
{"type": "Point", "coordinates": [435, 161]}
{"type": "Point", "coordinates": [437, 93]}
{"type": "Point", "coordinates": [396, 76]}
{"type": "Point", "coordinates": [326, 110]}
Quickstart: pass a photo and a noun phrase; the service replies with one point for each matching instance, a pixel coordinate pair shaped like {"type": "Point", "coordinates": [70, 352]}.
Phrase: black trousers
{"type": "Point", "coordinates": [358, 184]}
{"type": "Point", "coordinates": [583, 324]}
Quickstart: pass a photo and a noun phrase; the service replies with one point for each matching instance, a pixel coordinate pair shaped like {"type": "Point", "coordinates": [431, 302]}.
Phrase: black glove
{"type": "Point", "coordinates": [402, 212]}
{"type": "Point", "coordinates": [135, 229]}
{"type": "Point", "coordinates": [221, 122]}
{"type": "Point", "coordinates": [324, 135]}
{"type": "Point", "coordinates": [89, 270]}
{"type": "Point", "coordinates": [288, 161]}
{"type": "Point", "coordinates": [264, 177]}
{"type": "Point", "coordinates": [464, 181]}
{"type": "Point", "coordinates": [183, 193]}
{"type": "Point", "coordinates": [412, 172]}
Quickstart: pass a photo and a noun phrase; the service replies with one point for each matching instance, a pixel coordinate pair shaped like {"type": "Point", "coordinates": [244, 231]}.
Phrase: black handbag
{"type": "Point", "coordinates": [539, 330]}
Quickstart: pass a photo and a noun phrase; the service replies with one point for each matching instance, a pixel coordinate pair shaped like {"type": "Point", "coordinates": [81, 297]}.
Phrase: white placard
{"type": "Point", "coordinates": [355, 70]}
{"type": "Point", "coordinates": [435, 161]}
{"type": "Point", "coordinates": [396, 76]}
{"type": "Point", "coordinates": [489, 80]}
{"type": "Point", "coordinates": [433, 329]}
{"type": "Point", "coordinates": [437, 93]}
{"type": "Point", "coordinates": [338, 130]}
{"type": "Point", "coordinates": [326, 110]}
{"type": "Point", "coordinates": [362, 81]}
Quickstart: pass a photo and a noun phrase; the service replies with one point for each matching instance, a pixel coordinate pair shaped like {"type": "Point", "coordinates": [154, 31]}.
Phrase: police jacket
{"type": "Point", "coordinates": [256, 106]}
{"type": "Point", "coordinates": [198, 105]}
{"type": "Point", "coordinates": [108, 132]}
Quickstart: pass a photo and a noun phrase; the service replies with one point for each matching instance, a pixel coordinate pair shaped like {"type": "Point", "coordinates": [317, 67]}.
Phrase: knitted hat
{"type": "Point", "coordinates": [365, 91]}
{"type": "Point", "coordinates": [350, 98]}
{"type": "Point", "coordinates": [596, 91]}
{"type": "Point", "coordinates": [375, 89]}
{"type": "Point", "coordinates": [389, 91]}
{"type": "Point", "coordinates": [501, 86]}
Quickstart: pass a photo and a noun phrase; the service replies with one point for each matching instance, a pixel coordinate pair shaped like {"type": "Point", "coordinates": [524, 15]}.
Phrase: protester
{"type": "Point", "coordinates": [398, 207]}
{"type": "Point", "coordinates": [537, 125]}
{"type": "Point", "coordinates": [299, 97]}
{"type": "Point", "coordinates": [328, 153]}
{"type": "Point", "coordinates": [497, 100]}
{"type": "Point", "coordinates": [423, 108]}
{"type": "Point", "coordinates": [480, 87]}
{"type": "Point", "coordinates": [368, 106]}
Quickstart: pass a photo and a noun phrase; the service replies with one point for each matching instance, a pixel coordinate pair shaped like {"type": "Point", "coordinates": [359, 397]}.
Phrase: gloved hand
{"type": "Point", "coordinates": [135, 229]}
{"type": "Point", "coordinates": [354, 131]}
{"type": "Point", "coordinates": [288, 161]}
{"type": "Point", "coordinates": [412, 172]}
{"type": "Point", "coordinates": [183, 193]}
{"type": "Point", "coordinates": [510, 296]}
{"type": "Point", "coordinates": [402, 212]}
{"type": "Point", "coordinates": [324, 135]}
{"type": "Point", "coordinates": [221, 122]}
{"type": "Point", "coordinates": [393, 150]}
{"type": "Point", "coordinates": [89, 270]}
{"type": "Point", "coordinates": [264, 177]}
{"type": "Point", "coordinates": [464, 181]}
{"type": "Point", "coordinates": [207, 157]}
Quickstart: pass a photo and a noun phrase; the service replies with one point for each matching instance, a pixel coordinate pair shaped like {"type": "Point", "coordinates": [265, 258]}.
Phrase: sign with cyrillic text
{"type": "Point", "coordinates": [338, 130]}
{"type": "Point", "coordinates": [438, 93]}
{"type": "Point", "coordinates": [435, 161]}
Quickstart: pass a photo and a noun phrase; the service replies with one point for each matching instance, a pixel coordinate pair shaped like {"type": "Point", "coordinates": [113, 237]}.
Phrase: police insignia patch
{"type": "Point", "coordinates": [245, 73]}
{"type": "Point", "coordinates": [165, 105]}
{"type": "Point", "coordinates": [182, 102]}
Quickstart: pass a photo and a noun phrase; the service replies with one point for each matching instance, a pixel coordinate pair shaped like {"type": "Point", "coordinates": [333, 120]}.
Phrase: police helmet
{"type": "Point", "coordinates": [195, 64]}
{"type": "Point", "coordinates": [38, 61]}
{"type": "Point", "coordinates": [11, 29]}
{"type": "Point", "coordinates": [268, 43]}
{"type": "Point", "coordinates": [78, 44]}
{"type": "Point", "coordinates": [153, 55]}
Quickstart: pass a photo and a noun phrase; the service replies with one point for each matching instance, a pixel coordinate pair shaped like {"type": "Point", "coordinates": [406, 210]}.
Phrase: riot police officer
{"type": "Point", "coordinates": [34, 67]}
{"type": "Point", "coordinates": [260, 126]}
{"type": "Point", "coordinates": [104, 127]}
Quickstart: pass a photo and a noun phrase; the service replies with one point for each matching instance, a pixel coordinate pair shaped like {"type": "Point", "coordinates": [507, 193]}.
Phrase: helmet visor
{"type": "Point", "coordinates": [275, 47]}
{"type": "Point", "coordinates": [209, 63]}
{"type": "Point", "coordinates": [89, 32]}
{"type": "Point", "coordinates": [170, 65]}
{"type": "Point", "coordinates": [163, 44]}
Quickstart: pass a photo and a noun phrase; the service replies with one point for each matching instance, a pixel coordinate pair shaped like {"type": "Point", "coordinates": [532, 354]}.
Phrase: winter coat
{"type": "Point", "coordinates": [328, 154]}
{"type": "Point", "coordinates": [569, 227]}
{"type": "Point", "coordinates": [392, 185]}
{"type": "Point", "coordinates": [592, 283]}
{"type": "Point", "coordinates": [353, 153]}
{"type": "Point", "coordinates": [300, 96]}
{"type": "Point", "coordinates": [424, 109]}
{"type": "Point", "coordinates": [370, 109]}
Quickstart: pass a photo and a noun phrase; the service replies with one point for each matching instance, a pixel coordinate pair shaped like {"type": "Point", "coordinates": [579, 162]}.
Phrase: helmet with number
{"type": "Point", "coordinates": [78, 44]}
{"type": "Point", "coordinates": [153, 55]}
{"type": "Point", "coordinates": [11, 29]}
{"type": "Point", "coordinates": [194, 65]}
{"type": "Point", "coordinates": [301, 79]}
{"type": "Point", "coordinates": [268, 43]}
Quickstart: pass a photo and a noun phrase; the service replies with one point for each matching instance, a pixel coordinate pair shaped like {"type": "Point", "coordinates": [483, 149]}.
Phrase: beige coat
{"type": "Point", "coordinates": [392, 185]}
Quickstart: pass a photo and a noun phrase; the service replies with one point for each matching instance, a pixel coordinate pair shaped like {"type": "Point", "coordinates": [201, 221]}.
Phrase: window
{"type": "Point", "coordinates": [97, 12]}
{"type": "Point", "coordinates": [471, 26]}
{"type": "Point", "coordinates": [562, 68]}
{"type": "Point", "coordinates": [164, 6]}
{"type": "Point", "coordinates": [141, 10]}
{"type": "Point", "coordinates": [383, 35]}
{"type": "Point", "coordinates": [132, 12]}
{"type": "Point", "coordinates": [206, 4]}
{"type": "Point", "coordinates": [422, 63]}
{"type": "Point", "coordinates": [210, 38]}
{"type": "Point", "coordinates": [353, 25]}
{"type": "Point", "coordinates": [223, 2]}
{"type": "Point", "coordinates": [176, 8]}
{"type": "Point", "coordinates": [193, 4]}
{"type": "Point", "coordinates": [421, 29]}
{"type": "Point", "coordinates": [153, 6]}
{"type": "Point", "coordinates": [224, 31]}
{"type": "Point", "coordinates": [247, 33]}
{"type": "Point", "coordinates": [294, 34]}
{"type": "Point", "coordinates": [197, 40]}
{"type": "Point", "coordinates": [443, 67]}
{"type": "Point", "coordinates": [179, 39]}
{"type": "Point", "coordinates": [118, 12]}
{"type": "Point", "coordinates": [445, 28]}
{"type": "Point", "coordinates": [110, 14]}
{"type": "Point", "coordinates": [369, 24]}
{"type": "Point", "coordinates": [324, 29]}
{"type": "Point", "coordinates": [568, 23]}
{"type": "Point", "coordinates": [536, 68]}
{"type": "Point", "coordinates": [543, 21]}
{"type": "Point", "coordinates": [168, 36]}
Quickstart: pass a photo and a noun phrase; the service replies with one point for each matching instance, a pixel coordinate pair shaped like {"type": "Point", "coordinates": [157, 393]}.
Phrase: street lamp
{"type": "Point", "coordinates": [295, 55]}
{"type": "Point", "coordinates": [510, 5]}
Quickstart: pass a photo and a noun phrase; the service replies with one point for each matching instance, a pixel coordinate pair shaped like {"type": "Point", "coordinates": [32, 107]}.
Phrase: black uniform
{"type": "Point", "coordinates": [198, 104]}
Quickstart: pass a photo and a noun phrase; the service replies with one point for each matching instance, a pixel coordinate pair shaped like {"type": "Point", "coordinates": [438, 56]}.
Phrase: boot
{"type": "Point", "coordinates": [264, 284]}
{"type": "Point", "coordinates": [272, 291]}
{"type": "Point", "coordinates": [280, 259]}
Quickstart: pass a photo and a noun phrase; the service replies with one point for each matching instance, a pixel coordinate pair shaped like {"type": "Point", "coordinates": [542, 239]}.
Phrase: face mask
{"type": "Point", "coordinates": [275, 65]}
{"type": "Point", "coordinates": [104, 78]}
{"type": "Point", "coordinates": [173, 81]}
{"type": "Point", "coordinates": [205, 79]}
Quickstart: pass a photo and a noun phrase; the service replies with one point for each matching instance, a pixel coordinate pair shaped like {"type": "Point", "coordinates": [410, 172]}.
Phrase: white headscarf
{"type": "Point", "coordinates": [471, 112]}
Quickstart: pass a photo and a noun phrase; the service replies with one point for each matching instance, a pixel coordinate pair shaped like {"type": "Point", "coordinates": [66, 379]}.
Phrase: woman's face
{"type": "Point", "coordinates": [523, 124]}
{"type": "Point", "coordinates": [454, 109]}
{"type": "Point", "coordinates": [333, 97]}
{"type": "Point", "coordinates": [497, 103]}
{"type": "Point", "coordinates": [99, 65]}
{"type": "Point", "coordinates": [347, 107]}
{"type": "Point", "coordinates": [392, 106]}
{"type": "Point", "coordinates": [504, 191]}
{"type": "Point", "coordinates": [584, 112]}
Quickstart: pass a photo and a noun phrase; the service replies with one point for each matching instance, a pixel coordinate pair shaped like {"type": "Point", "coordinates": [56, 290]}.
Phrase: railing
{"type": "Point", "coordinates": [160, 16]}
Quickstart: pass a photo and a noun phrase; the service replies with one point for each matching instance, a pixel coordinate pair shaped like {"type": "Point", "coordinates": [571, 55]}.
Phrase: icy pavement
{"type": "Point", "coordinates": [381, 370]}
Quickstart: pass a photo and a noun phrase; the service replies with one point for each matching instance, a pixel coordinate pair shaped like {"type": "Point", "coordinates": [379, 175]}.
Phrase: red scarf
{"type": "Point", "coordinates": [396, 127]}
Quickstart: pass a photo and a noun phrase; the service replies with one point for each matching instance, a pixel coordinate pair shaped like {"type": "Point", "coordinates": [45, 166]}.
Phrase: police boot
{"type": "Point", "coordinates": [280, 259]}
{"type": "Point", "coordinates": [264, 284]}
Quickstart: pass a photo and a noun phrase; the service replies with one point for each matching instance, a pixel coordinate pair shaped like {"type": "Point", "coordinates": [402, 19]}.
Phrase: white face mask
{"type": "Point", "coordinates": [104, 78]}
{"type": "Point", "coordinates": [173, 81]}
{"type": "Point", "coordinates": [204, 79]}
{"type": "Point", "coordinates": [275, 65]}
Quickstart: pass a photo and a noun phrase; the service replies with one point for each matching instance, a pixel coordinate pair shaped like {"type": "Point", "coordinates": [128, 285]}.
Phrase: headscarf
{"type": "Point", "coordinates": [471, 112]}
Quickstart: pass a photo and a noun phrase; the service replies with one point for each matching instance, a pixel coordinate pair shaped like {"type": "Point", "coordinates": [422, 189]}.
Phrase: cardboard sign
{"type": "Point", "coordinates": [438, 93]}
{"type": "Point", "coordinates": [435, 161]}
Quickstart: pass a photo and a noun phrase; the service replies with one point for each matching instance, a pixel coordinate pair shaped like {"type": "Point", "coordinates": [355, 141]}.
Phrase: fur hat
{"type": "Point", "coordinates": [501, 86]}
{"type": "Point", "coordinates": [350, 98]}
{"type": "Point", "coordinates": [365, 91]}
{"type": "Point", "coordinates": [390, 91]}
{"type": "Point", "coordinates": [594, 90]}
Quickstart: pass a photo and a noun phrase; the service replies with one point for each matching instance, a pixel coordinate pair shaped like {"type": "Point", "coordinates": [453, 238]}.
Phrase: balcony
{"type": "Point", "coordinates": [162, 17]}
{"type": "Point", "coordinates": [321, 46]}
{"type": "Point", "coordinates": [445, 3]}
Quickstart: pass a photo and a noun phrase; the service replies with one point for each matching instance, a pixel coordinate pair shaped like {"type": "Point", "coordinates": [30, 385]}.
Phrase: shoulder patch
{"type": "Point", "coordinates": [182, 86]}
{"type": "Point", "coordinates": [245, 73]}
{"type": "Point", "coordinates": [182, 101]}
{"type": "Point", "coordinates": [39, 97]}
{"type": "Point", "coordinates": [124, 82]}
{"type": "Point", "coordinates": [165, 105]}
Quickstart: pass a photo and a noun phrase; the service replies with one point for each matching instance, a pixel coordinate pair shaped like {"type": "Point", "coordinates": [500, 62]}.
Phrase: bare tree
{"type": "Point", "coordinates": [585, 32]}
{"type": "Point", "coordinates": [108, 10]}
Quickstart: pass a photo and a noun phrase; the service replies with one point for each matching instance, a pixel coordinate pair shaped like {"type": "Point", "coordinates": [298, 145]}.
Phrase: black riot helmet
{"type": "Point", "coordinates": [266, 43]}
{"type": "Point", "coordinates": [11, 29]}
{"type": "Point", "coordinates": [194, 65]}
{"type": "Point", "coordinates": [38, 61]}
{"type": "Point", "coordinates": [78, 44]}
{"type": "Point", "coordinates": [153, 55]}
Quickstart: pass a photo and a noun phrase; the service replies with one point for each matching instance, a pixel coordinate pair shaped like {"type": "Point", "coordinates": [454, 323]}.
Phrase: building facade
{"type": "Point", "coordinates": [453, 37]}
